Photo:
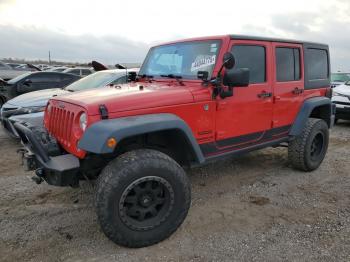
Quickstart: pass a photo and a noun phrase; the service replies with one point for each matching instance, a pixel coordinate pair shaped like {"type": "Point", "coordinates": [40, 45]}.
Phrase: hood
{"type": "Point", "coordinates": [130, 97]}
{"type": "Point", "coordinates": [342, 89]}
{"type": "Point", "coordinates": [36, 98]}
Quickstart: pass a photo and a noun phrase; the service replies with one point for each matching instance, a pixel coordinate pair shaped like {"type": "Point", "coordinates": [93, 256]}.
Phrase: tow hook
{"type": "Point", "coordinates": [28, 160]}
{"type": "Point", "coordinates": [39, 176]}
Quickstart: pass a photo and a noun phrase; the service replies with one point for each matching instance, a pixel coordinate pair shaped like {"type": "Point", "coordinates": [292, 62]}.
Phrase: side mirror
{"type": "Point", "coordinates": [203, 75]}
{"type": "Point", "coordinates": [228, 60]}
{"type": "Point", "coordinates": [237, 77]}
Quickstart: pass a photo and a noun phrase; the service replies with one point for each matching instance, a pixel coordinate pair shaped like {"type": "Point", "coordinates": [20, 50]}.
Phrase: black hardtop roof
{"type": "Point", "coordinates": [271, 39]}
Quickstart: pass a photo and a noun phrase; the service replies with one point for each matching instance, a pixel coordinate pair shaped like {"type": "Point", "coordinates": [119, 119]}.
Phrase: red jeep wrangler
{"type": "Point", "coordinates": [193, 101]}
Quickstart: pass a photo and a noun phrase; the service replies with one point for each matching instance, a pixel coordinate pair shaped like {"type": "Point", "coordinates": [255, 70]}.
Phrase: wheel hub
{"type": "Point", "coordinates": [146, 203]}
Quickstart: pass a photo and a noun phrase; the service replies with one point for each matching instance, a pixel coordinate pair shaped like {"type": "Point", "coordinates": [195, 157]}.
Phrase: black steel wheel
{"type": "Point", "coordinates": [307, 151]}
{"type": "Point", "coordinates": [142, 197]}
{"type": "Point", "coordinates": [317, 145]}
{"type": "Point", "coordinates": [146, 203]}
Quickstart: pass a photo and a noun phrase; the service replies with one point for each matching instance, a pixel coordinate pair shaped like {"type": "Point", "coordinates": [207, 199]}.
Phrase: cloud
{"type": "Point", "coordinates": [330, 26]}
{"type": "Point", "coordinates": [35, 43]}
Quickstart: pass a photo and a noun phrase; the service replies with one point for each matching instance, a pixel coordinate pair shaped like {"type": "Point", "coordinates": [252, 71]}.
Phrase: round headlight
{"type": "Point", "coordinates": [83, 121]}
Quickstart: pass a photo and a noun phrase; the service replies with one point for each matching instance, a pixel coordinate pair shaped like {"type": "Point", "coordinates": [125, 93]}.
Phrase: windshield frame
{"type": "Point", "coordinates": [219, 42]}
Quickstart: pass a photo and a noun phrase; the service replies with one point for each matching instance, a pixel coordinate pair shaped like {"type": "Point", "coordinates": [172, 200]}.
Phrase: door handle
{"type": "Point", "coordinates": [265, 94]}
{"type": "Point", "coordinates": [297, 91]}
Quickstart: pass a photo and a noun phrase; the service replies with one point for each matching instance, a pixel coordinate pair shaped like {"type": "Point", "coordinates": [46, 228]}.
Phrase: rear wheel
{"type": "Point", "coordinates": [307, 151]}
{"type": "Point", "coordinates": [142, 197]}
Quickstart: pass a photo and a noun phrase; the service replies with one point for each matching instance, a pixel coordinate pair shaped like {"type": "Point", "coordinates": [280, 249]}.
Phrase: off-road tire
{"type": "Point", "coordinates": [125, 171]}
{"type": "Point", "coordinates": [300, 148]}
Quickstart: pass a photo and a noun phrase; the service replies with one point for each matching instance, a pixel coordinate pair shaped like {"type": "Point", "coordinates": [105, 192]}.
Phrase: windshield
{"type": "Point", "coordinates": [181, 59]}
{"type": "Point", "coordinates": [95, 80]}
{"type": "Point", "coordinates": [18, 78]}
{"type": "Point", "coordinates": [340, 77]}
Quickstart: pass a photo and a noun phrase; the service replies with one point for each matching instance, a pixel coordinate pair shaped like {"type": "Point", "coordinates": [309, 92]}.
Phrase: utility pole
{"type": "Point", "coordinates": [49, 58]}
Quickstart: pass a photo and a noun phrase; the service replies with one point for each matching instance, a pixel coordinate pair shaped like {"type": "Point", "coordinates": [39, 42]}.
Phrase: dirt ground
{"type": "Point", "coordinates": [253, 208]}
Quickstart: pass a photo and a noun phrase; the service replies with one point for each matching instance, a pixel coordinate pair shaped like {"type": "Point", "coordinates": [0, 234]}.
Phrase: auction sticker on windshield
{"type": "Point", "coordinates": [203, 61]}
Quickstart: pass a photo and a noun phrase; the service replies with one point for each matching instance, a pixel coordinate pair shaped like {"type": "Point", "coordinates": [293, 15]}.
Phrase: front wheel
{"type": "Point", "coordinates": [142, 197]}
{"type": "Point", "coordinates": [307, 151]}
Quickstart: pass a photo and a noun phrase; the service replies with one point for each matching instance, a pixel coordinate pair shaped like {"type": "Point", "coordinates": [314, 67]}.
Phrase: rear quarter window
{"type": "Point", "coordinates": [317, 69]}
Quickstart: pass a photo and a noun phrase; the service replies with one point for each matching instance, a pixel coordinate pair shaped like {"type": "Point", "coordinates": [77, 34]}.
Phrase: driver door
{"type": "Point", "coordinates": [244, 118]}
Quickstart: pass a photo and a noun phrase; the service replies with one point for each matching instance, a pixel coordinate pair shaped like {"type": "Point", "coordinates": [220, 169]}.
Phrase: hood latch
{"type": "Point", "coordinates": [103, 111]}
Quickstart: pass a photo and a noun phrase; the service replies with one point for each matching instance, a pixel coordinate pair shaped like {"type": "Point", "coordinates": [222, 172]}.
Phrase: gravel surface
{"type": "Point", "coordinates": [253, 208]}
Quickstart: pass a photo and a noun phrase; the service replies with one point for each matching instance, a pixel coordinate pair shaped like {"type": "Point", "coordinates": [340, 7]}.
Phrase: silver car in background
{"type": "Point", "coordinates": [339, 79]}
{"type": "Point", "coordinates": [7, 72]}
{"type": "Point", "coordinates": [30, 107]}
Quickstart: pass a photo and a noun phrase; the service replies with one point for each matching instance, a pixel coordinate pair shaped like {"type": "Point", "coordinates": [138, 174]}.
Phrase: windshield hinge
{"type": "Point", "coordinates": [103, 111]}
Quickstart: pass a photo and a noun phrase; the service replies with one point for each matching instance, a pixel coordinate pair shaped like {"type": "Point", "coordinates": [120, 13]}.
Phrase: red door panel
{"type": "Point", "coordinates": [288, 94]}
{"type": "Point", "coordinates": [248, 111]}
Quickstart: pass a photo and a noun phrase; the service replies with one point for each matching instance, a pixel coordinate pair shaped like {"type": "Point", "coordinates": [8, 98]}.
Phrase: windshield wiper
{"type": "Point", "coordinates": [178, 78]}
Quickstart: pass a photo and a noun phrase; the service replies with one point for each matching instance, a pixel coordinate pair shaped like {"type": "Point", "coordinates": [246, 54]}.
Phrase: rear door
{"type": "Point", "coordinates": [288, 83]}
{"type": "Point", "coordinates": [245, 117]}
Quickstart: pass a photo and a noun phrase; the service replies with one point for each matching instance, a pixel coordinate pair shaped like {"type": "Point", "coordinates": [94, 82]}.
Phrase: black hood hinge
{"type": "Point", "coordinates": [103, 111]}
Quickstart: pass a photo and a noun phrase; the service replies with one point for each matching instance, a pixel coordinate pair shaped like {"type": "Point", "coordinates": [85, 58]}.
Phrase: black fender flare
{"type": "Point", "coordinates": [305, 111]}
{"type": "Point", "coordinates": [95, 137]}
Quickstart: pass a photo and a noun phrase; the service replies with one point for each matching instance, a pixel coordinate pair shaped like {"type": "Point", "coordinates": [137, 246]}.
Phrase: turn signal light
{"type": "Point", "coordinates": [111, 142]}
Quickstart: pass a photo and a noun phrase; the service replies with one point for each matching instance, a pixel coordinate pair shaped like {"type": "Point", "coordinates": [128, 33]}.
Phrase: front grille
{"type": "Point", "coordinates": [60, 124]}
{"type": "Point", "coordinates": [9, 108]}
{"type": "Point", "coordinates": [9, 111]}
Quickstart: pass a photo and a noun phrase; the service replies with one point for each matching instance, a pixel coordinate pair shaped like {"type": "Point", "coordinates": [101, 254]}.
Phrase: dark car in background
{"type": "Point", "coordinates": [35, 81]}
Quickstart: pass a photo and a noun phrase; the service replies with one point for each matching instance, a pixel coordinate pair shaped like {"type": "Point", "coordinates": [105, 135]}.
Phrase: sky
{"type": "Point", "coordinates": [113, 31]}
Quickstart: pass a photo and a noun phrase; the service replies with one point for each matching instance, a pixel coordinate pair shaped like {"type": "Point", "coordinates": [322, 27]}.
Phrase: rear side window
{"type": "Point", "coordinates": [252, 57]}
{"type": "Point", "coordinates": [287, 64]}
{"type": "Point", "coordinates": [318, 64]}
{"type": "Point", "coordinates": [67, 77]}
{"type": "Point", "coordinates": [317, 69]}
{"type": "Point", "coordinates": [85, 72]}
{"type": "Point", "coordinates": [43, 77]}
{"type": "Point", "coordinates": [75, 71]}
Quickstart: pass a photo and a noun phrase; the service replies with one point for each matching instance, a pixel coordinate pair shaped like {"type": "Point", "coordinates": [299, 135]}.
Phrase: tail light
{"type": "Point", "coordinates": [329, 92]}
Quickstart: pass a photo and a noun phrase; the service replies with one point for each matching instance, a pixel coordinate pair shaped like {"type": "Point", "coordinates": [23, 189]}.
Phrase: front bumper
{"type": "Point", "coordinates": [9, 128]}
{"type": "Point", "coordinates": [343, 113]}
{"type": "Point", "coordinates": [61, 170]}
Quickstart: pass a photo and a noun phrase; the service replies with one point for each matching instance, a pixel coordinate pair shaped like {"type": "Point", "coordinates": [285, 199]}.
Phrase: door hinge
{"type": "Point", "coordinates": [276, 98]}
{"type": "Point", "coordinates": [274, 123]}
